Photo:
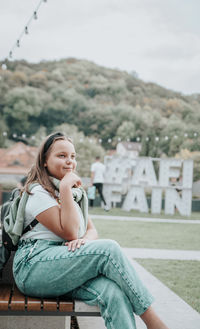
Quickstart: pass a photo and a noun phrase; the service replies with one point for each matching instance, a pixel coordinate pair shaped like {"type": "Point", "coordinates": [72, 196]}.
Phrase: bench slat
{"type": "Point", "coordinates": [17, 301]}
{"type": "Point", "coordinates": [5, 291]}
{"type": "Point", "coordinates": [66, 306]}
{"type": "Point", "coordinates": [50, 305]}
{"type": "Point", "coordinates": [33, 304]}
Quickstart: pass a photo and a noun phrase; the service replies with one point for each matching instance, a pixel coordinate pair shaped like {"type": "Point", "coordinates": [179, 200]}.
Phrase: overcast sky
{"type": "Point", "coordinates": [159, 39]}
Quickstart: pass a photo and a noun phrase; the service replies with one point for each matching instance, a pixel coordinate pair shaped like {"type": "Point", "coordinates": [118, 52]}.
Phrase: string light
{"type": "Point", "coordinates": [109, 141]}
{"type": "Point", "coordinates": [35, 15]}
{"type": "Point", "coordinates": [24, 31]}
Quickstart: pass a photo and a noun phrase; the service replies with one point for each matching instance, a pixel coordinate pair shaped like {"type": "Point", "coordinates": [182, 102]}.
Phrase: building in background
{"type": "Point", "coordinates": [129, 149]}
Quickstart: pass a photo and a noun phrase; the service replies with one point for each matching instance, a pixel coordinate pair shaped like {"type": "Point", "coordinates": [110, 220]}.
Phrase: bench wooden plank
{"type": "Point", "coordinates": [50, 305]}
{"type": "Point", "coordinates": [33, 304]}
{"type": "Point", "coordinates": [5, 291]}
{"type": "Point", "coordinates": [66, 306]}
{"type": "Point", "coordinates": [17, 301]}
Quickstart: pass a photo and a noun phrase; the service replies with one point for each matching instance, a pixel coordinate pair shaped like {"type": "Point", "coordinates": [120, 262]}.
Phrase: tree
{"type": "Point", "coordinates": [24, 105]}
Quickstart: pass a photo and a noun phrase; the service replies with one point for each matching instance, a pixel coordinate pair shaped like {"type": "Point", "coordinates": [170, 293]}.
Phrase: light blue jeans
{"type": "Point", "coordinates": [98, 273]}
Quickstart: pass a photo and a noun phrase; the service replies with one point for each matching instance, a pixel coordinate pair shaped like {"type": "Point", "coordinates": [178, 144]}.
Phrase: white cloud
{"type": "Point", "coordinates": [158, 39]}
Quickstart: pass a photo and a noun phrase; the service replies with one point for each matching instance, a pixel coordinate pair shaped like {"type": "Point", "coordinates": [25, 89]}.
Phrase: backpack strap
{"type": "Point", "coordinates": [30, 226]}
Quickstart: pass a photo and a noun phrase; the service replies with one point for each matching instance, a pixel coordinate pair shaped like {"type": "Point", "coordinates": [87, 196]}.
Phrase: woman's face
{"type": "Point", "coordinates": [61, 159]}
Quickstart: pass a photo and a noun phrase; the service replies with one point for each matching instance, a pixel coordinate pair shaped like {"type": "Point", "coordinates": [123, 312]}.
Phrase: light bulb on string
{"type": "Point", "coordinates": [44, 0]}
{"type": "Point", "coordinates": [166, 138]}
{"type": "Point", "coordinates": [175, 136]}
{"type": "Point", "coordinates": [5, 133]}
{"type": "Point", "coordinates": [147, 139]}
{"type": "Point", "coordinates": [18, 43]}
{"type": "Point", "coordinates": [14, 135]}
{"type": "Point", "coordinates": [128, 139]}
{"type": "Point", "coordinates": [119, 139]}
{"type": "Point", "coordinates": [195, 134]}
{"type": "Point", "coordinates": [109, 140]}
{"type": "Point", "coordinates": [138, 139]}
{"type": "Point", "coordinates": [26, 29]}
{"type": "Point", "coordinates": [156, 138]}
{"type": "Point", "coordinates": [185, 135]}
{"type": "Point", "coordinates": [100, 140]}
{"type": "Point", "coordinates": [35, 15]}
{"type": "Point", "coordinates": [10, 54]}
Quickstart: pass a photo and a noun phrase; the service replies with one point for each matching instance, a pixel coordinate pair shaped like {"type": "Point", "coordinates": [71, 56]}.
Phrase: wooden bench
{"type": "Point", "coordinates": [14, 303]}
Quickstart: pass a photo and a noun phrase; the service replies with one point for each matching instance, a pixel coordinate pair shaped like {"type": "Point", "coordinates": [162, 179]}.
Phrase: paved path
{"type": "Point", "coordinates": [147, 219]}
{"type": "Point", "coordinates": [163, 253]}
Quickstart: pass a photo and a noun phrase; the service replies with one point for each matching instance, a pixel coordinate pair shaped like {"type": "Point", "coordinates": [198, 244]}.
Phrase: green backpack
{"type": "Point", "coordinates": [9, 213]}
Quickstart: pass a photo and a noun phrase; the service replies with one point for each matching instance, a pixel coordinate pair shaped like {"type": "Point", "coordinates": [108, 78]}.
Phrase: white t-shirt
{"type": "Point", "coordinates": [98, 169]}
{"type": "Point", "coordinates": [38, 202]}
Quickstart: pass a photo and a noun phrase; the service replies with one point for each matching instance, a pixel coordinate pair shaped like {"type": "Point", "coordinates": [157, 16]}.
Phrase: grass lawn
{"type": "Point", "coordinates": [134, 213]}
{"type": "Point", "coordinates": [180, 276]}
{"type": "Point", "coordinates": [134, 234]}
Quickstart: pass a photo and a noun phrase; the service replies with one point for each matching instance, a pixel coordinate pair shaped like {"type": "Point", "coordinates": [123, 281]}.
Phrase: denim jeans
{"type": "Point", "coordinates": [98, 273]}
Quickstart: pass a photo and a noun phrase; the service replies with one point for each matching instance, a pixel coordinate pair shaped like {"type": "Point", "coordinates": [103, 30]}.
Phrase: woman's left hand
{"type": "Point", "coordinates": [75, 244]}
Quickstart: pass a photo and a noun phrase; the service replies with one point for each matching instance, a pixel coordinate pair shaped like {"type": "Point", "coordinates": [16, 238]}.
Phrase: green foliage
{"type": "Point", "coordinates": [102, 103]}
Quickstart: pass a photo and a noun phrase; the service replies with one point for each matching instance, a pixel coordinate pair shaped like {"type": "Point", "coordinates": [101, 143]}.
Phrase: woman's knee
{"type": "Point", "coordinates": [107, 246]}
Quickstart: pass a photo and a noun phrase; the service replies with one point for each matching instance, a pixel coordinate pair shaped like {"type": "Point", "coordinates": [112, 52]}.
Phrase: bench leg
{"type": "Point", "coordinates": [74, 322]}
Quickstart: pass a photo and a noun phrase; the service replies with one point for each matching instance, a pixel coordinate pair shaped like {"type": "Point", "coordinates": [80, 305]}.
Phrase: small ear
{"type": "Point", "coordinates": [45, 164]}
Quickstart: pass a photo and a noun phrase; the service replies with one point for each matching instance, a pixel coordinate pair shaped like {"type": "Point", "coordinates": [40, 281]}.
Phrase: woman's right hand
{"type": "Point", "coordinates": [71, 180]}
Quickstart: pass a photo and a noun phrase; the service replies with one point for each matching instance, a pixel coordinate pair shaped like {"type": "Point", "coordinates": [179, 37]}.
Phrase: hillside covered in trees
{"type": "Point", "coordinates": [92, 102]}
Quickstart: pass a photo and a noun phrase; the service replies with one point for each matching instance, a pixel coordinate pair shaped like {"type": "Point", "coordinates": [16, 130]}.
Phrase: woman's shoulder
{"type": "Point", "coordinates": [37, 188]}
{"type": "Point", "coordinates": [39, 194]}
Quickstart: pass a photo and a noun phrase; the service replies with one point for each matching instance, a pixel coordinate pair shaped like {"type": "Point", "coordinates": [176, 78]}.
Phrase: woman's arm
{"type": "Point", "coordinates": [91, 234]}
{"type": "Point", "coordinates": [63, 220]}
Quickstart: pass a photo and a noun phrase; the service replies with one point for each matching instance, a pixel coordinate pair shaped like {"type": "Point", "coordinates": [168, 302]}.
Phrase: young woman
{"type": "Point", "coordinates": [61, 255]}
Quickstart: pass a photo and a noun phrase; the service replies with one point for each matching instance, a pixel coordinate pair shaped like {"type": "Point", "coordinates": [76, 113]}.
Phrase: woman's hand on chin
{"type": "Point", "coordinates": [70, 179]}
